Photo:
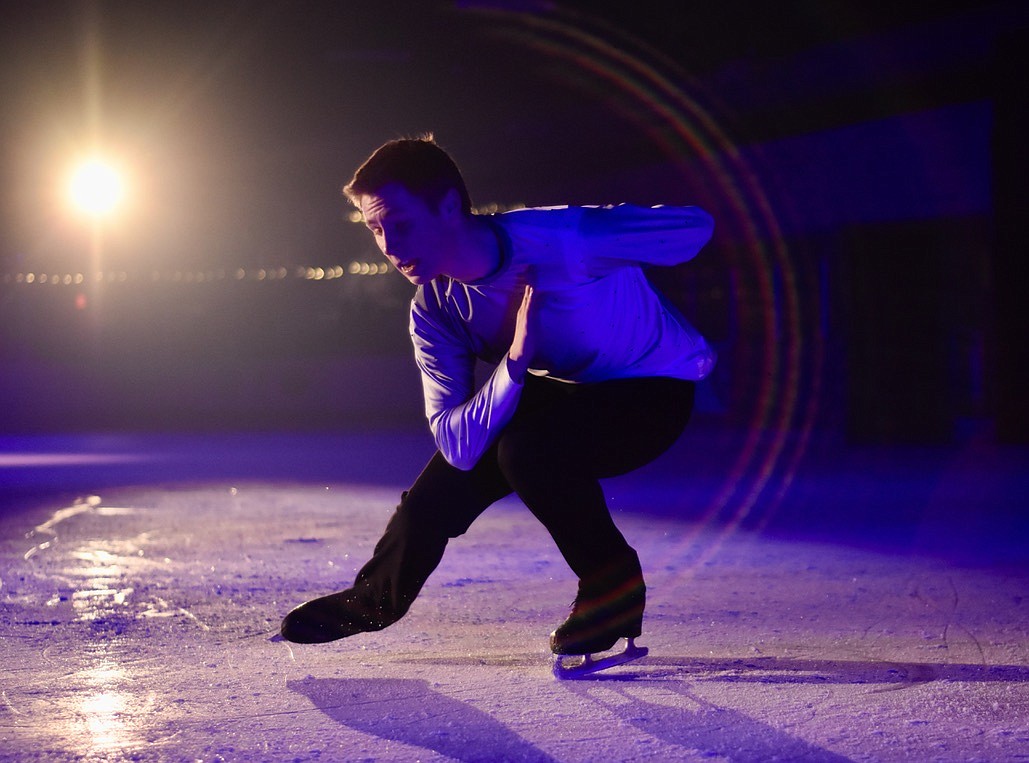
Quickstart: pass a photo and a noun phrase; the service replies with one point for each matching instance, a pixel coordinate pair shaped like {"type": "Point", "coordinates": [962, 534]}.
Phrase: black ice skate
{"type": "Point", "coordinates": [601, 615]}
{"type": "Point", "coordinates": [329, 618]}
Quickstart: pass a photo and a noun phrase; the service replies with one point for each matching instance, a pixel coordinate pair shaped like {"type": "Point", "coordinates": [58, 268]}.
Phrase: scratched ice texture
{"type": "Point", "coordinates": [141, 581]}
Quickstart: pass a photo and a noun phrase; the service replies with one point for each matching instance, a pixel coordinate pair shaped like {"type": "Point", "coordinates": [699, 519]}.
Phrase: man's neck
{"type": "Point", "coordinates": [478, 251]}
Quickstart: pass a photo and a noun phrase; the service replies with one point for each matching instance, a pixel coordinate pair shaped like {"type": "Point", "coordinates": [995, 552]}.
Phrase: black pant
{"type": "Point", "coordinates": [562, 439]}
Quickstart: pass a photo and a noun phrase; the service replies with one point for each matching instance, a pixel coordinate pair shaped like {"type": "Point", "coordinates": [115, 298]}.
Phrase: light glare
{"type": "Point", "coordinates": [96, 188]}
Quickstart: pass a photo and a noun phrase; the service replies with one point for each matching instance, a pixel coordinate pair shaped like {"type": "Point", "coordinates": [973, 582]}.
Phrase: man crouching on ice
{"type": "Point", "coordinates": [594, 378]}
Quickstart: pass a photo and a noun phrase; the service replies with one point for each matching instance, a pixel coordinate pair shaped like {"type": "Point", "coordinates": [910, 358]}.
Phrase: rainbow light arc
{"type": "Point", "coordinates": [779, 428]}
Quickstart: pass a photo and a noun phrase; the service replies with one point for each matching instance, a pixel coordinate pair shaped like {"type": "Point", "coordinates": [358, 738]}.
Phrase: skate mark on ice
{"type": "Point", "coordinates": [473, 660]}
{"type": "Point", "coordinates": [784, 670]}
{"type": "Point", "coordinates": [406, 710]}
{"type": "Point", "coordinates": [464, 582]}
{"type": "Point", "coordinates": [948, 610]}
{"type": "Point", "coordinates": [8, 704]}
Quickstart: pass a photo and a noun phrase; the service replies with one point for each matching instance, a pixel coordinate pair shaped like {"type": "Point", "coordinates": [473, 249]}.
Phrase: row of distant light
{"type": "Point", "coordinates": [241, 274]}
{"type": "Point", "coordinates": [306, 273]}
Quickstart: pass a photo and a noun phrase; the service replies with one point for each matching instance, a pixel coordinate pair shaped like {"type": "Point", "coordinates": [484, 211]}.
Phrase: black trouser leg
{"type": "Point", "coordinates": [442, 504]}
{"type": "Point", "coordinates": [565, 438]}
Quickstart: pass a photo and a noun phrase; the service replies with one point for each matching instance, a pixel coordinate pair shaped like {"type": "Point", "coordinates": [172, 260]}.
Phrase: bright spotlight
{"type": "Point", "coordinates": [96, 188]}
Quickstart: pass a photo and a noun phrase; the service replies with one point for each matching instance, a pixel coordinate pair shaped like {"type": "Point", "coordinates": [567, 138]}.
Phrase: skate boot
{"type": "Point", "coordinates": [607, 608]}
{"type": "Point", "coordinates": [332, 617]}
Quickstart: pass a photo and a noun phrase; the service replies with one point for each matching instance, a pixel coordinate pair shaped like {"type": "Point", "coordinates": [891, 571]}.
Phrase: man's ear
{"type": "Point", "coordinates": [450, 205]}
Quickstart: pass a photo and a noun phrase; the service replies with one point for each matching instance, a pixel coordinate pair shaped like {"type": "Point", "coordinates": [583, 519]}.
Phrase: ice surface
{"type": "Point", "coordinates": [136, 623]}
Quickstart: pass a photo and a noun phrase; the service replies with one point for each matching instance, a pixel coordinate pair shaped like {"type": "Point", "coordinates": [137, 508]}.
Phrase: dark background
{"type": "Point", "coordinates": [865, 163]}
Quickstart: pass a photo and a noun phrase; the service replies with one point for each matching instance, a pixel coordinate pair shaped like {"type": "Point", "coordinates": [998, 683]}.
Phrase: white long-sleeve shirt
{"type": "Point", "coordinates": [598, 316]}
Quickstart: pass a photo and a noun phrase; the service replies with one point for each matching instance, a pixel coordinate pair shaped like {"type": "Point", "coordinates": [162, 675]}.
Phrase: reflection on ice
{"type": "Point", "coordinates": [105, 711]}
{"type": "Point", "coordinates": [105, 564]}
{"type": "Point", "coordinates": [90, 504]}
{"type": "Point", "coordinates": [95, 556]}
{"type": "Point", "coordinates": [81, 505]}
{"type": "Point", "coordinates": [102, 713]}
{"type": "Point", "coordinates": [102, 589]}
{"type": "Point", "coordinates": [87, 572]}
{"type": "Point", "coordinates": [91, 576]}
{"type": "Point", "coordinates": [91, 601]}
{"type": "Point", "coordinates": [98, 577]}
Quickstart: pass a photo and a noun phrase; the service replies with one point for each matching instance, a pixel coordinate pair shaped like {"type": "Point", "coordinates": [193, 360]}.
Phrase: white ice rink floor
{"type": "Point", "coordinates": [140, 585]}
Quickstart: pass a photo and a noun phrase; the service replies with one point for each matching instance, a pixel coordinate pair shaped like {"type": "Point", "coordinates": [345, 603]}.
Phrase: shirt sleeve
{"type": "Point", "coordinates": [464, 421]}
{"type": "Point", "coordinates": [618, 235]}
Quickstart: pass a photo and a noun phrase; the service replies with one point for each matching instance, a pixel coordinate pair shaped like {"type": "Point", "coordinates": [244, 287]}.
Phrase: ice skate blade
{"type": "Point", "coordinates": [588, 666]}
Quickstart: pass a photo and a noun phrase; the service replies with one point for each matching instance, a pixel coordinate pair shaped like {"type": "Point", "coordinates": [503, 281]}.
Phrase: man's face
{"type": "Point", "coordinates": [416, 238]}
